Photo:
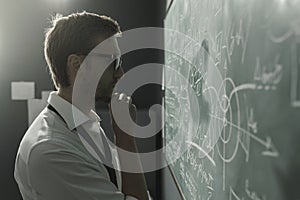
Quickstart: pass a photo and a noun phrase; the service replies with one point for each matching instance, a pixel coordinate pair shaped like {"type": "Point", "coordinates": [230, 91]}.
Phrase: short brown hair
{"type": "Point", "coordinates": [74, 34]}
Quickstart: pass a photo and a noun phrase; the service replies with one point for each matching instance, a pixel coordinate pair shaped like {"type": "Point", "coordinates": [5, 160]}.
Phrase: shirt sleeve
{"type": "Point", "coordinates": [58, 173]}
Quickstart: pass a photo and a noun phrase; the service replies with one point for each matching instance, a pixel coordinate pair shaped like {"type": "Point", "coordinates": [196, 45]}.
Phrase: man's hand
{"type": "Point", "coordinates": [122, 103]}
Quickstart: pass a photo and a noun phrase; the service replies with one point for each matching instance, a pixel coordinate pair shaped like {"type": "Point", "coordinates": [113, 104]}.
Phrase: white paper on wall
{"type": "Point", "coordinates": [22, 90]}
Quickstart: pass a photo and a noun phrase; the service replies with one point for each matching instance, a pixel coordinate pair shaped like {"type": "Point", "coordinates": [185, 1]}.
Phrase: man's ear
{"type": "Point", "coordinates": [74, 61]}
{"type": "Point", "coordinates": [73, 64]}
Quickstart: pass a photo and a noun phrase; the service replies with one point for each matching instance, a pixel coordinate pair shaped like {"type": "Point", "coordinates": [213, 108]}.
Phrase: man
{"type": "Point", "coordinates": [62, 153]}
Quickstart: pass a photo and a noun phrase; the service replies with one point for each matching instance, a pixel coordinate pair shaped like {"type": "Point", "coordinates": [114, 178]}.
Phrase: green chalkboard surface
{"type": "Point", "coordinates": [232, 98]}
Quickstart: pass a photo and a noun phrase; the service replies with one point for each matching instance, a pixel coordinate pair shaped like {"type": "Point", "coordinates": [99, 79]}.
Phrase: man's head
{"type": "Point", "coordinates": [73, 37]}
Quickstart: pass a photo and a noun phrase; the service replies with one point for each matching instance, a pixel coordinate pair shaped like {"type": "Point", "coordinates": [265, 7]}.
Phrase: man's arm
{"type": "Point", "coordinates": [133, 184]}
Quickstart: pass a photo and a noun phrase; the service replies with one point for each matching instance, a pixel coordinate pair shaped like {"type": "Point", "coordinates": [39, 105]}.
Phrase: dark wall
{"type": "Point", "coordinates": [21, 59]}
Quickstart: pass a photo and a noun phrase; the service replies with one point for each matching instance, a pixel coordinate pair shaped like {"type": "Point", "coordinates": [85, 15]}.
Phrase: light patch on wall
{"type": "Point", "coordinates": [25, 91]}
{"type": "Point", "coordinates": [22, 90]}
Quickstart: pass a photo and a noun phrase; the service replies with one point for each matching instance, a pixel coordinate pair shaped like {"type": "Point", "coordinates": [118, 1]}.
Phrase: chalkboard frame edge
{"type": "Point", "coordinates": [175, 181]}
{"type": "Point", "coordinates": [168, 8]}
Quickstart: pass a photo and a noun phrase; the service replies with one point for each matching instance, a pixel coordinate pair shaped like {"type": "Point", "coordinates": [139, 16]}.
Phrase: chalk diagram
{"type": "Point", "coordinates": [234, 135]}
{"type": "Point", "coordinates": [228, 127]}
{"type": "Point", "coordinates": [221, 115]}
{"type": "Point", "coordinates": [226, 116]}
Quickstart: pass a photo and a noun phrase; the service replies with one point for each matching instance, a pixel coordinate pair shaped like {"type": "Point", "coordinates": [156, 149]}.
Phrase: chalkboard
{"type": "Point", "coordinates": [232, 98]}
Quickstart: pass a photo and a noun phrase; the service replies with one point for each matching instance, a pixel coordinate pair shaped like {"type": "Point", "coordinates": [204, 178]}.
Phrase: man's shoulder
{"type": "Point", "coordinates": [47, 131]}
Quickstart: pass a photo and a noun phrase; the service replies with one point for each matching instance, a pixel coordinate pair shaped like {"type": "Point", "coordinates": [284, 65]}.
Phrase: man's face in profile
{"type": "Point", "coordinates": [108, 56]}
{"type": "Point", "coordinates": [98, 73]}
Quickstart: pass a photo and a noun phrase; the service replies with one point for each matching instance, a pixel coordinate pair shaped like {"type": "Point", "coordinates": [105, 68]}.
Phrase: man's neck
{"type": "Point", "coordinates": [65, 93]}
{"type": "Point", "coordinates": [84, 104]}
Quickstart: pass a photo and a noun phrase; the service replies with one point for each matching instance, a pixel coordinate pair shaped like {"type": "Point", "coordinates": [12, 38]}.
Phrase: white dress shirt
{"type": "Point", "coordinates": [55, 163]}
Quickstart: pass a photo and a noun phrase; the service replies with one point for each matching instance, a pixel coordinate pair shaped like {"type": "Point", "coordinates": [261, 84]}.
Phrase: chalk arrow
{"type": "Point", "coordinates": [271, 149]}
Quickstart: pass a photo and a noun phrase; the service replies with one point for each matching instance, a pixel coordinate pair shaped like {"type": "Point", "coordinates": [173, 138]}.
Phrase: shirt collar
{"type": "Point", "coordinates": [71, 114]}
